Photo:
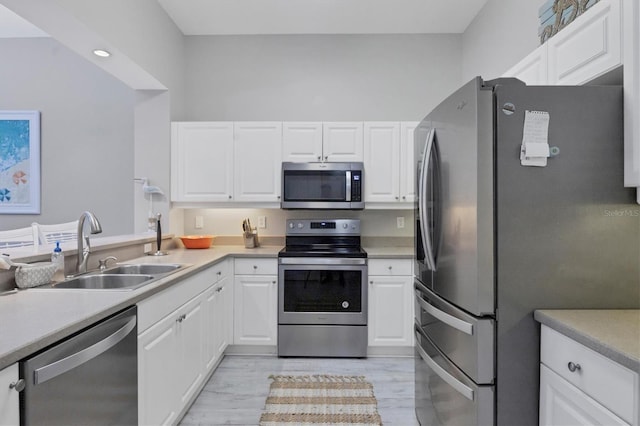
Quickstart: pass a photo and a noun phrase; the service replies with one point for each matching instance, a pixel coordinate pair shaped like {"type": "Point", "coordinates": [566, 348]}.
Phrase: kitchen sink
{"type": "Point", "coordinates": [152, 268]}
{"type": "Point", "coordinates": [121, 277]}
{"type": "Point", "coordinates": [106, 281]}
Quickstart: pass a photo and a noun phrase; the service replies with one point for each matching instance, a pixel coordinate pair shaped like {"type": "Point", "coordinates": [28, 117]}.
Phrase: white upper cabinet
{"type": "Point", "coordinates": [257, 157]}
{"type": "Point", "coordinates": [588, 47]}
{"type": "Point", "coordinates": [342, 141]}
{"type": "Point", "coordinates": [302, 141]}
{"type": "Point", "coordinates": [388, 160]}
{"type": "Point", "coordinates": [631, 55]}
{"type": "Point", "coordinates": [532, 69]}
{"type": "Point", "coordinates": [382, 161]}
{"type": "Point", "coordinates": [201, 161]}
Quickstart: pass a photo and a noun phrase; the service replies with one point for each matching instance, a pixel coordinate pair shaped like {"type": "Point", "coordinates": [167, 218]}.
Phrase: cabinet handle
{"type": "Point", "coordinates": [319, 158]}
{"type": "Point", "coordinates": [278, 197]}
{"type": "Point", "coordinates": [219, 273]}
{"type": "Point", "coordinates": [573, 367]}
{"type": "Point", "coordinates": [326, 157]}
{"type": "Point", "coordinates": [229, 196]}
{"type": "Point", "coordinates": [390, 267]}
{"type": "Point", "coordinates": [273, 282]}
{"type": "Point", "coordinates": [18, 386]}
{"type": "Point", "coordinates": [404, 197]}
{"type": "Point", "coordinates": [255, 267]}
{"type": "Point", "coordinates": [370, 282]}
{"type": "Point", "coordinates": [182, 318]}
{"type": "Point", "coordinates": [397, 198]}
{"type": "Point", "coordinates": [218, 290]}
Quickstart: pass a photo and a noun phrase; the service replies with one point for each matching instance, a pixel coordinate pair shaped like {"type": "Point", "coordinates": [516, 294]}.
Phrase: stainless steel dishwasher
{"type": "Point", "coordinates": [90, 378]}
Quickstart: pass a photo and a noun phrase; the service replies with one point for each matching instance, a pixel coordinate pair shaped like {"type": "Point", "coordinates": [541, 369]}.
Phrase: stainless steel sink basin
{"type": "Point", "coordinates": [152, 268]}
{"type": "Point", "coordinates": [121, 277]}
{"type": "Point", "coordinates": [106, 282]}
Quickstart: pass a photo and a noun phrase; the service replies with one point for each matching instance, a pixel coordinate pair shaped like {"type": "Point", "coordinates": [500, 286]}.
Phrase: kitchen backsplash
{"type": "Point", "coordinates": [228, 222]}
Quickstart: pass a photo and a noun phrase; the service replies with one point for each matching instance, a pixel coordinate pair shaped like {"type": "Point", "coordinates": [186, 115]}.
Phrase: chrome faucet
{"type": "Point", "coordinates": [85, 251]}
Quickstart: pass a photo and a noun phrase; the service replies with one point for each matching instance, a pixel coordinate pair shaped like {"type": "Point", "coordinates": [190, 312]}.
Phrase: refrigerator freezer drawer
{"type": "Point", "coordinates": [444, 395]}
{"type": "Point", "coordinates": [467, 341]}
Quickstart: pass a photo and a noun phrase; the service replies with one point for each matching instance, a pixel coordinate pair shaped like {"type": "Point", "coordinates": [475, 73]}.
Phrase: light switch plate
{"type": "Point", "coordinates": [199, 222]}
{"type": "Point", "coordinates": [262, 222]}
{"type": "Point", "coordinates": [400, 221]}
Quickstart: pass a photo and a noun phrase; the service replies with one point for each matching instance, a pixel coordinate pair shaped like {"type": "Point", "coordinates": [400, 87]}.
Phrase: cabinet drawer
{"type": "Point", "coordinates": [254, 266]}
{"type": "Point", "coordinates": [221, 270]}
{"type": "Point", "coordinates": [606, 381]}
{"type": "Point", "coordinates": [389, 266]}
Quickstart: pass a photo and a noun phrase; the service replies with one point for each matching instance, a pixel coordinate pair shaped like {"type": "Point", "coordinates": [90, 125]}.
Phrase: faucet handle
{"type": "Point", "coordinates": [102, 263]}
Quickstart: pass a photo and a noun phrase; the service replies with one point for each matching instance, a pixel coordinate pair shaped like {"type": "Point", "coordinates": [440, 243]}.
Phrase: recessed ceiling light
{"type": "Point", "coordinates": [102, 53]}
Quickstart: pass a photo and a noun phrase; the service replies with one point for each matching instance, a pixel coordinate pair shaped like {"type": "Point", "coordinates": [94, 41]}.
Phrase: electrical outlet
{"type": "Point", "coordinates": [262, 222]}
{"type": "Point", "coordinates": [147, 248]}
{"type": "Point", "coordinates": [199, 222]}
{"type": "Point", "coordinates": [400, 221]}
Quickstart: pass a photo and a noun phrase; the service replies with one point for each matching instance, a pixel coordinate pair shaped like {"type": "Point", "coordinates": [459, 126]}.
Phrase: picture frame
{"type": "Point", "coordinates": [19, 162]}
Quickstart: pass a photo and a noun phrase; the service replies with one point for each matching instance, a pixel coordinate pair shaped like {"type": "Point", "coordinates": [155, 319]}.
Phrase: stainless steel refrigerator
{"type": "Point", "coordinates": [498, 237]}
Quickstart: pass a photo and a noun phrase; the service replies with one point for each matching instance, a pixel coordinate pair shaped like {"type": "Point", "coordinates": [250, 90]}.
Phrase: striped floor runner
{"type": "Point", "coordinates": [320, 400]}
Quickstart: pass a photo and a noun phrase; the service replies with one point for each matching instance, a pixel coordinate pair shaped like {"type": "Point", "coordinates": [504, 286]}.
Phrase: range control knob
{"type": "Point", "coordinates": [300, 225]}
{"type": "Point", "coordinates": [345, 225]}
{"type": "Point", "coordinates": [291, 225]}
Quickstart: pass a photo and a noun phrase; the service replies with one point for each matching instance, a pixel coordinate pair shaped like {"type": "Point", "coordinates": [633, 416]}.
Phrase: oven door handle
{"type": "Point", "coordinates": [446, 318]}
{"type": "Point", "coordinates": [460, 387]}
{"type": "Point", "coordinates": [327, 261]}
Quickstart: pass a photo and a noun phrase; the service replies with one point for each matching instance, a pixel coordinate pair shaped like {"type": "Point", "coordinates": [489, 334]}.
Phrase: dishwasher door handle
{"type": "Point", "coordinates": [57, 368]}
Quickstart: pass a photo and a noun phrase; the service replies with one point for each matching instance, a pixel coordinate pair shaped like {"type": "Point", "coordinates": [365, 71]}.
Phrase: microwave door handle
{"type": "Point", "coordinates": [347, 179]}
{"type": "Point", "coordinates": [422, 206]}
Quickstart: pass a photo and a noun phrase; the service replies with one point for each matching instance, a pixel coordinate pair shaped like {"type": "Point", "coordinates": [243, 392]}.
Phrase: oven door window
{"type": "Point", "coordinates": [322, 291]}
{"type": "Point", "coordinates": [315, 186]}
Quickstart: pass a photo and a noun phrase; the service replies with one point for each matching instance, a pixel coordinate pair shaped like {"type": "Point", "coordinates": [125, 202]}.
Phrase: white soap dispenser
{"type": "Point", "coordinates": [57, 258]}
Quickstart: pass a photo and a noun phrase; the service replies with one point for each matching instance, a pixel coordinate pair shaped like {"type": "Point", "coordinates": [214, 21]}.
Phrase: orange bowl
{"type": "Point", "coordinates": [197, 241]}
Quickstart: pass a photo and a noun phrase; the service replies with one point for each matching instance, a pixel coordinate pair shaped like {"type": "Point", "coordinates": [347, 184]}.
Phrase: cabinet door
{"type": "Point", "coordinates": [201, 161]}
{"type": "Point", "coordinates": [301, 142]}
{"type": "Point", "coordinates": [210, 328]}
{"type": "Point", "coordinates": [532, 69]}
{"type": "Point", "coordinates": [257, 161]}
{"type": "Point", "coordinates": [255, 310]}
{"type": "Point", "coordinates": [407, 167]}
{"type": "Point", "coordinates": [587, 48]}
{"type": "Point", "coordinates": [382, 161]}
{"type": "Point", "coordinates": [342, 141]}
{"type": "Point", "coordinates": [157, 372]}
{"type": "Point", "coordinates": [561, 403]}
{"type": "Point", "coordinates": [190, 349]}
{"type": "Point", "coordinates": [9, 401]}
{"type": "Point", "coordinates": [390, 311]}
{"type": "Point", "coordinates": [224, 316]}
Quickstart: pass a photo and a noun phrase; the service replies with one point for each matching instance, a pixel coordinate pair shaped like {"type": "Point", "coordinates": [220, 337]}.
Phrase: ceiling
{"type": "Point", "coordinates": [253, 17]}
{"type": "Point", "coordinates": [256, 17]}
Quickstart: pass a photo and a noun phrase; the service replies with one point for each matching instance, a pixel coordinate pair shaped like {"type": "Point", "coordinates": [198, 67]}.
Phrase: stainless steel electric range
{"type": "Point", "coordinates": [322, 290]}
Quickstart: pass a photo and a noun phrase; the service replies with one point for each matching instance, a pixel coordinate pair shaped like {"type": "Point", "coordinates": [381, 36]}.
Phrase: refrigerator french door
{"type": "Point", "coordinates": [496, 240]}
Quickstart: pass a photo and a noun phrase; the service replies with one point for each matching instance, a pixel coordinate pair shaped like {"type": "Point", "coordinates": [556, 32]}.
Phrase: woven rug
{"type": "Point", "coordinates": [320, 400]}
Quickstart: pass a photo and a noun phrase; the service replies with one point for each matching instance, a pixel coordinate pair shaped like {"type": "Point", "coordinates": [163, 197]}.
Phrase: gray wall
{"type": "Point", "coordinates": [321, 78]}
{"type": "Point", "coordinates": [86, 133]}
{"type": "Point", "coordinates": [501, 35]}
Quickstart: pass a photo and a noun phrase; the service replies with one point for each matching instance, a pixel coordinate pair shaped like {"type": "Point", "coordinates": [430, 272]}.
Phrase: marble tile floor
{"type": "Point", "coordinates": [236, 392]}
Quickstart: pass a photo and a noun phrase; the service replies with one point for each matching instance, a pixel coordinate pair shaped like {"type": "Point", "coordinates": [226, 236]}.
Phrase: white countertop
{"type": "Point", "coordinates": [32, 319]}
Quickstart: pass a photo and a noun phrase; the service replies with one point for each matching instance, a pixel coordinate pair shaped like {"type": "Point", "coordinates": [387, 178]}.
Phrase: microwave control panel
{"type": "Point", "coordinates": [356, 185]}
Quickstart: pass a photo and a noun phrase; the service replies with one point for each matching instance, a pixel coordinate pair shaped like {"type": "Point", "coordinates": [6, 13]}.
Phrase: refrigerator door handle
{"type": "Point", "coordinates": [59, 367]}
{"type": "Point", "coordinates": [446, 318]}
{"type": "Point", "coordinates": [460, 387]}
{"type": "Point", "coordinates": [422, 206]}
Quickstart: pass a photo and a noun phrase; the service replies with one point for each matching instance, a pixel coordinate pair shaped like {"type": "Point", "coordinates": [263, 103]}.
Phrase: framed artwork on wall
{"type": "Point", "coordinates": [19, 162]}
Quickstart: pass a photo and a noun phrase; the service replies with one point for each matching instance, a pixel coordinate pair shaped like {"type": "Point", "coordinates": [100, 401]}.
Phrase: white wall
{"type": "Point", "coordinates": [503, 33]}
{"type": "Point", "coordinates": [86, 133]}
{"type": "Point", "coordinates": [321, 78]}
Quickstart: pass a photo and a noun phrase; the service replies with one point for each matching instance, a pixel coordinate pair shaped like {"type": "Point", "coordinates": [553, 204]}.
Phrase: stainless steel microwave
{"type": "Point", "coordinates": [322, 186]}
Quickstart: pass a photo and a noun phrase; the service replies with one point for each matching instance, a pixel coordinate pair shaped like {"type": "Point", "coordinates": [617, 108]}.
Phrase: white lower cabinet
{"type": "Point", "coordinates": [255, 320]}
{"type": "Point", "coordinates": [183, 332]}
{"type": "Point", "coordinates": [9, 401]}
{"type": "Point", "coordinates": [390, 321]}
{"type": "Point", "coordinates": [579, 386]}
